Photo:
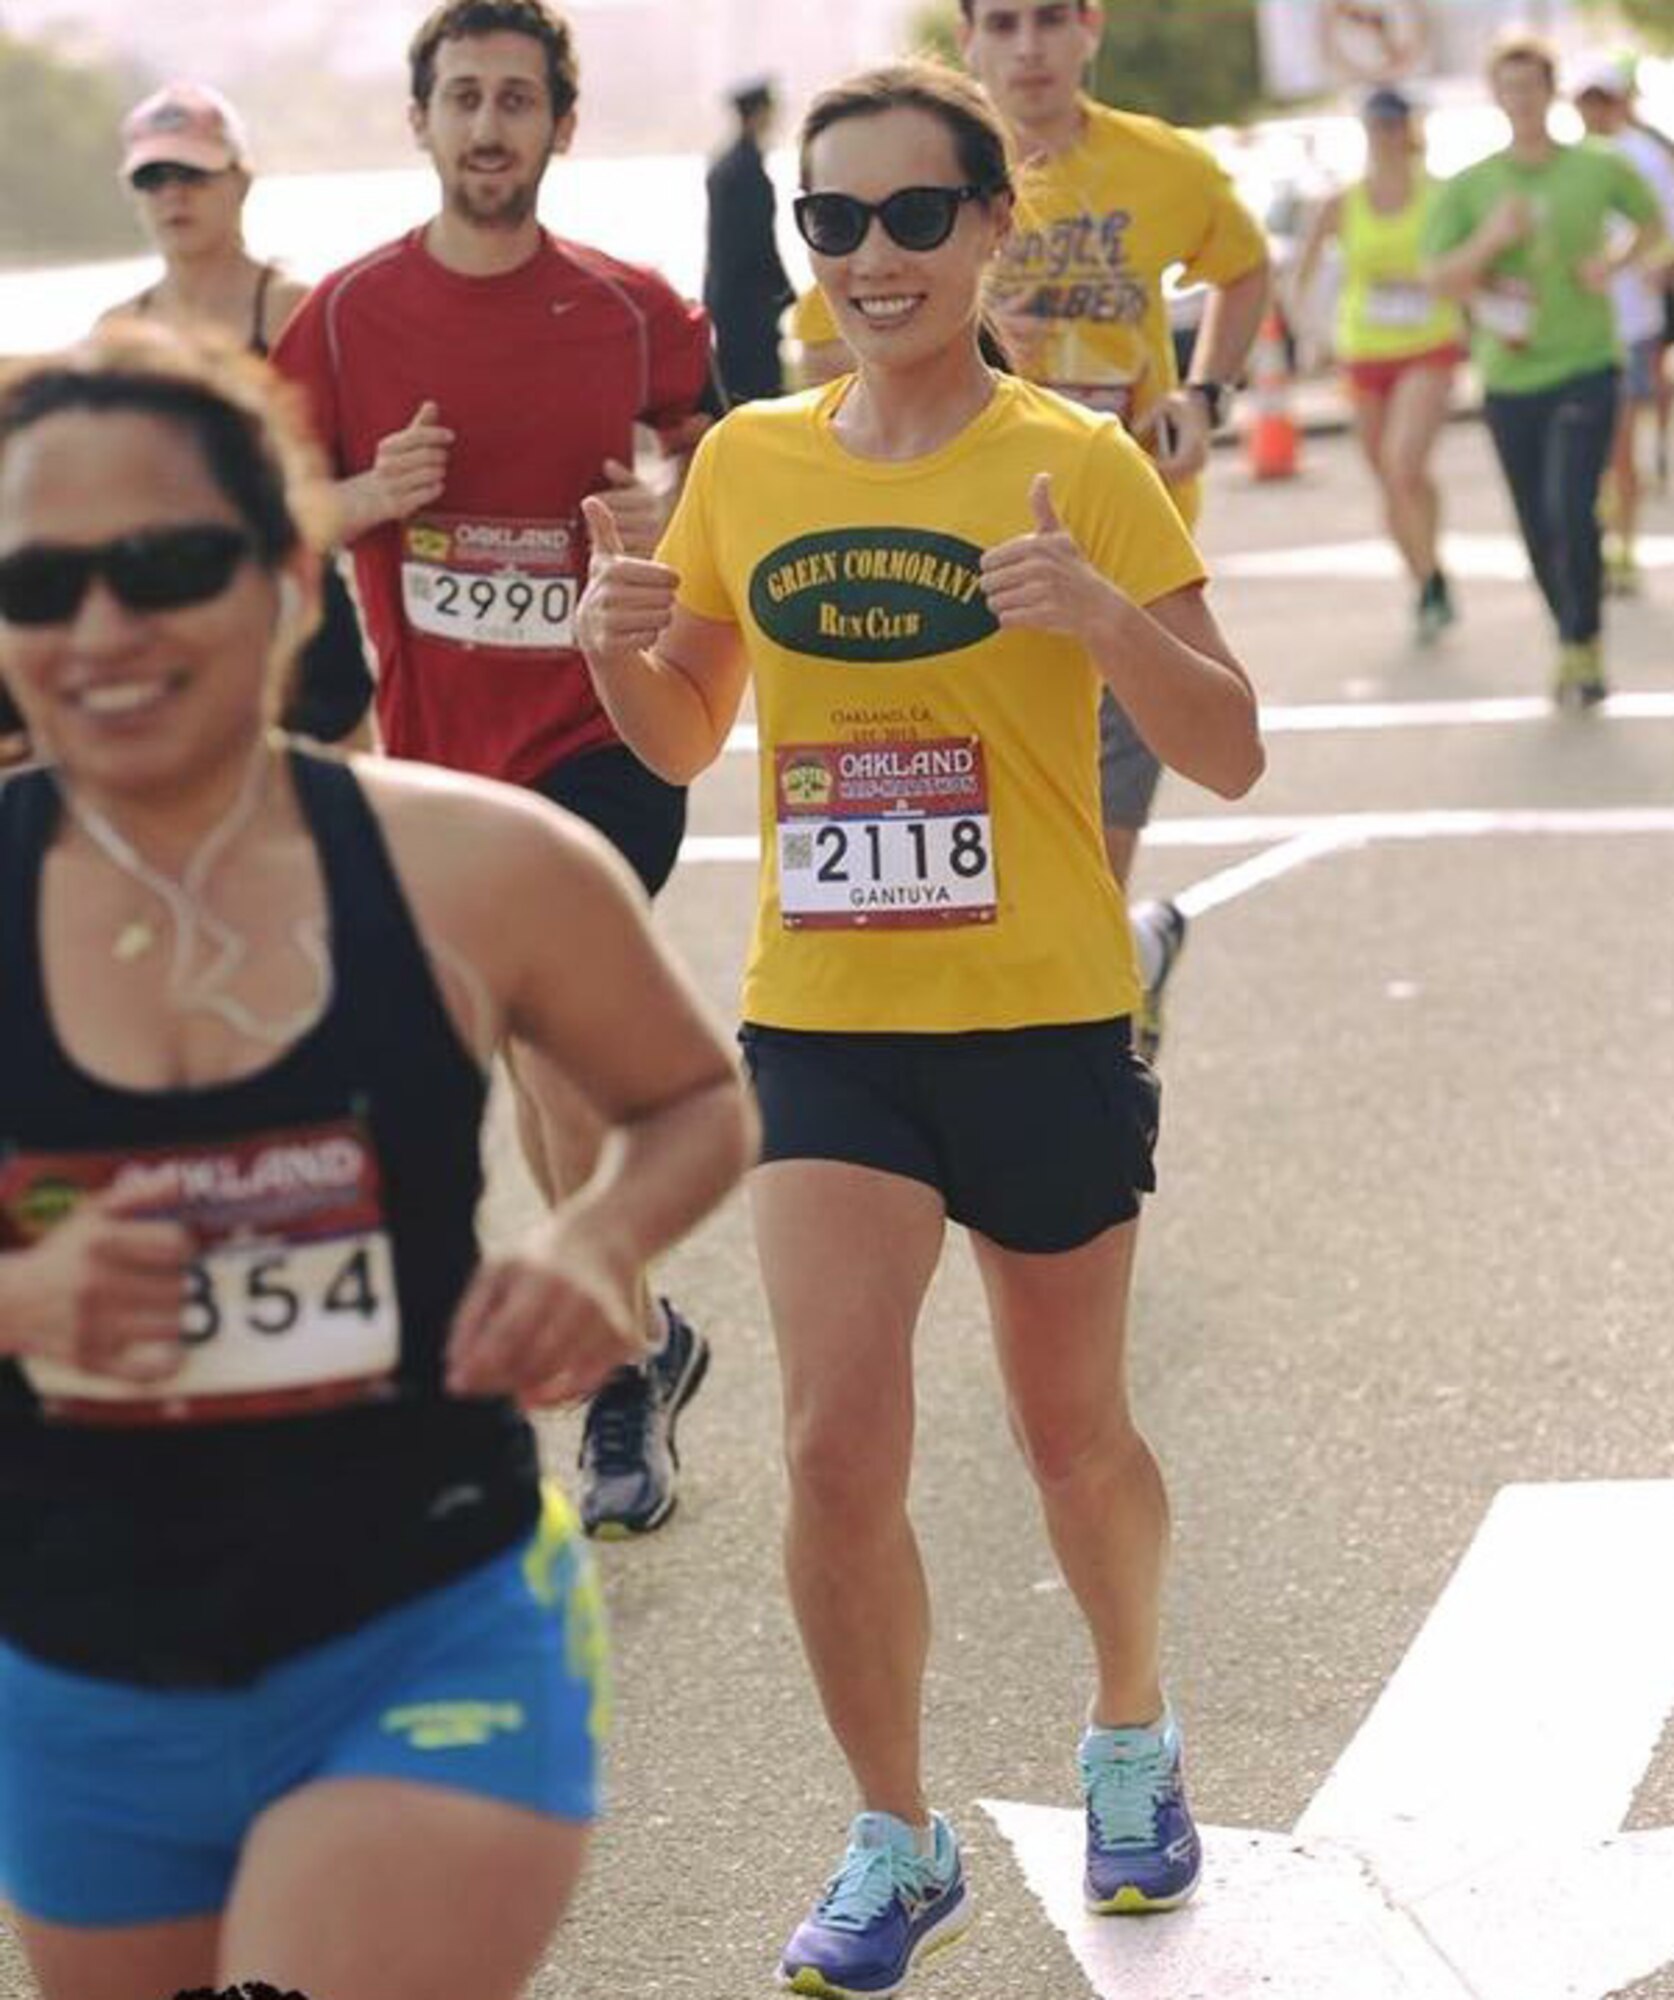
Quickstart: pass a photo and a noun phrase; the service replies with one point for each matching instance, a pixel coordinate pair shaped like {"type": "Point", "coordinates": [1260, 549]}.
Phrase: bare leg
{"type": "Point", "coordinates": [560, 1134]}
{"type": "Point", "coordinates": [847, 1254]}
{"type": "Point", "coordinates": [1060, 1327]}
{"type": "Point", "coordinates": [1371, 425]}
{"type": "Point", "coordinates": [1417, 409]}
{"type": "Point", "coordinates": [365, 1889]}
{"type": "Point", "coordinates": [135, 1962]}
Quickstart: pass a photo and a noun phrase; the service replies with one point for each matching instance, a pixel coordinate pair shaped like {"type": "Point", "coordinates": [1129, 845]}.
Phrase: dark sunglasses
{"type": "Point", "coordinates": [156, 569]}
{"type": "Point", "coordinates": [917, 218]}
{"type": "Point", "coordinates": [168, 173]}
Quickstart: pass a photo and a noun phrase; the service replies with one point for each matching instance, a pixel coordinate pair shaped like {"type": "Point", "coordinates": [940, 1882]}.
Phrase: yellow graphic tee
{"type": "Point", "coordinates": [1096, 229]}
{"type": "Point", "coordinates": [932, 859]}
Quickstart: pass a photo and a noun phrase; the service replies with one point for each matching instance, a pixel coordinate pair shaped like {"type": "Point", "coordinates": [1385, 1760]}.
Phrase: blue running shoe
{"type": "Point", "coordinates": [1143, 1852]}
{"type": "Point", "coordinates": [887, 1907]}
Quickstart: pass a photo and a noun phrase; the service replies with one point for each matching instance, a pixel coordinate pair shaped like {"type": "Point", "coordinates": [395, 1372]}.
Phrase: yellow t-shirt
{"type": "Point", "coordinates": [931, 853]}
{"type": "Point", "coordinates": [1097, 227]}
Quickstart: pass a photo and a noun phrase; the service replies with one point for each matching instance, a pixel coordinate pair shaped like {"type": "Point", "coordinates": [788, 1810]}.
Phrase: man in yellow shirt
{"type": "Point", "coordinates": [1109, 201]}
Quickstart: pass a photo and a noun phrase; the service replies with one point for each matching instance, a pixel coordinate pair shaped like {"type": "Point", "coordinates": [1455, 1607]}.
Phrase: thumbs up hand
{"type": "Point", "coordinates": [1041, 582]}
{"type": "Point", "coordinates": [602, 529]}
{"type": "Point", "coordinates": [638, 511]}
{"type": "Point", "coordinates": [410, 466]}
{"type": "Point", "coordinates": [629, 600]}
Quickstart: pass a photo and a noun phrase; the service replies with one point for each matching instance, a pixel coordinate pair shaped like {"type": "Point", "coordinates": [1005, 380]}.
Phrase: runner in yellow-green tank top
{"type": "Point", "coordinates": [1398, 343]}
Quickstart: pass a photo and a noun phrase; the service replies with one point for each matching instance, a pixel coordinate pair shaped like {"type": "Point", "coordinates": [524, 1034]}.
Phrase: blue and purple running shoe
{"type": "Point", "coordinates": [887, 1907]}
{"type": "Point", "coordinates": [1143, 1852]}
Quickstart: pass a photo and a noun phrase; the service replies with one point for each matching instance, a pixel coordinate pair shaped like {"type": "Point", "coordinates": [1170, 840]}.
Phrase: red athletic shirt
{"type": "Point", "coordinates": [541, 374]}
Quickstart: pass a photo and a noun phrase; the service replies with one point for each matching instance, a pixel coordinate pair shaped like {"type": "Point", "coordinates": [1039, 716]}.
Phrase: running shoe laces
{"type": "Point", "coordinates": [1127, 1787]}
{"type": "Point", "coordinates": [619, 1424]}
{"type": "Point", "coordinates": [872, 1874]}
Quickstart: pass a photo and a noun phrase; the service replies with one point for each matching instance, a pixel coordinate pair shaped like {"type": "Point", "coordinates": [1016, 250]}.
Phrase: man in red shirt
{"type": "Point", "coordinates": [471, 382]}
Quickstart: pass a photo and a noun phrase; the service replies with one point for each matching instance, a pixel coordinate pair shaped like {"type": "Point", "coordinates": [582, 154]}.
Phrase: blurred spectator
{"type": "Point", "coordinates": [744, 284]}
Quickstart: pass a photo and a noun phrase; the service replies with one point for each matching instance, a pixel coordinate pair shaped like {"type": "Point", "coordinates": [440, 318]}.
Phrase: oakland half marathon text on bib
{"type": "Point", "coordinates": [895, 832]}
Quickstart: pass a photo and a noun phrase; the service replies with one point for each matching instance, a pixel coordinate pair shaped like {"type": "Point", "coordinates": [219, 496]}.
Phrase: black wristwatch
{"type": "Point", "coordinates": [1217, 400]}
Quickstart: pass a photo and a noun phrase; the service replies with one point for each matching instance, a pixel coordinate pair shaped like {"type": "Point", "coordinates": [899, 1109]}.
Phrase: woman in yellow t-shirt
{"type": "Point", "coordinates": [930, 570]}
{"type": "Point", "coordinates": [1399, 343]}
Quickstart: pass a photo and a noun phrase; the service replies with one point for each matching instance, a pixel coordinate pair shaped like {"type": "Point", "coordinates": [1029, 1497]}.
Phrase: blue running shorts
{"type": "Point", "coordinates": [129, 1805]}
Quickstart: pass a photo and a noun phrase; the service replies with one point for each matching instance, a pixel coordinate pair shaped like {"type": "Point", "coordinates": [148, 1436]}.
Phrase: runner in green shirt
{"type": "Point", "coordinates": [1524, 239]}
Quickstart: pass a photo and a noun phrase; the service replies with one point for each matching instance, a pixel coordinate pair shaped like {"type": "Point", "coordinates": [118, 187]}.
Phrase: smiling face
{"type": "Point", "coordinates": [895, 307]}
{"type": "Point", "coordinates": [1030, 55]}
{"type": "Point", "coordinates": [129, 702]}
{"type": "Point", "coordinates": [489, 127]}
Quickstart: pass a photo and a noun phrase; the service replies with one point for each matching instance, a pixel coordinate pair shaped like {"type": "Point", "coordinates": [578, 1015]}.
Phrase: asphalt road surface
{"type": "Point", "coordinates": [1410, 1248]}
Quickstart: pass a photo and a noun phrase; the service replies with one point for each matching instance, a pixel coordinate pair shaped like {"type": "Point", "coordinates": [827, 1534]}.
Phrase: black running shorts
{"type": "Point", "coordinates": [641, 815]}
{"type": "Point", "coordinates": [1037, 1138]}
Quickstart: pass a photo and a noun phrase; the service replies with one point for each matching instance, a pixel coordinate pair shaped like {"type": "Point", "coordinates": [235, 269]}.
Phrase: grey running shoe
{"type": "Point", "coordinates": [629, 1461]}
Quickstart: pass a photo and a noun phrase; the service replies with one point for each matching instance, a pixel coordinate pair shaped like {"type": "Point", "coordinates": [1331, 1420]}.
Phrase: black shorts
{"type": "Point", "coordinates": [1037, 1138]}
{"type": "Point", "coordinates": [332, 688]}
{"type": "Point", "coordinates": [642, 816]}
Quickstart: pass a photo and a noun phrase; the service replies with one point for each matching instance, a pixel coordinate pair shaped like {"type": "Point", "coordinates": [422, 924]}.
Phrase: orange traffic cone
{"type": "Point", "coordinates": [1272, 439]}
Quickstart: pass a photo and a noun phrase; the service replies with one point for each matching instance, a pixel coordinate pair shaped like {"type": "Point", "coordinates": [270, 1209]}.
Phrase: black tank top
{"type": "Point", "coordinates": [197, 1553]}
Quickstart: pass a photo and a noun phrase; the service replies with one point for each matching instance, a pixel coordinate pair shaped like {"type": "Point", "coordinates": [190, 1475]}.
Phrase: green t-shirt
{"type": "Point", "coordinates": [1535, 323]}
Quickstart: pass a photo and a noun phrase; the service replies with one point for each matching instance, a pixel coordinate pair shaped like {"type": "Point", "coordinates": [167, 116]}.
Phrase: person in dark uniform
{"type": "Point", "coordinates": [744, 283]}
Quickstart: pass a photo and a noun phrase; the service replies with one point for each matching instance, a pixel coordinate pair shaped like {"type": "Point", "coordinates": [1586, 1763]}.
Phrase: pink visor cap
{"type": "Point", "coordinates": [185, 125]}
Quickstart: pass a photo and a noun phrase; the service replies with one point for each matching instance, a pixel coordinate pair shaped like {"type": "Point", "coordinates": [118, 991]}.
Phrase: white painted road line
{"type": "Point", "coordinates": [1328, 717]}
{"type": "Point", "coordinates": [1532, 1701]}
{"type": "Point", "coordinates": [1327, 832]}
{"type": "Point", "coordinates": [1271, 1921]}
{"type": "Point", "coordinates": [1245, 876]}
{"type": "Point", "coordinates": [1475, 558]}
{"type": "Point", "coordinates": [1358, 829]}
{"type": "Point", "coordinates": [1466, 1846]}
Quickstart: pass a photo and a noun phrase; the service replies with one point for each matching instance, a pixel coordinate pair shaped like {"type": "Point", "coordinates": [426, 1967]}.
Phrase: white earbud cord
{"type": "Point", "coordinates": [192, 918]}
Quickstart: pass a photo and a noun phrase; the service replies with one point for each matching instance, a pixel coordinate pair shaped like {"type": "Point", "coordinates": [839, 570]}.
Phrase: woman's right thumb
{"type": "Point", "coordinates": [601, 525]}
